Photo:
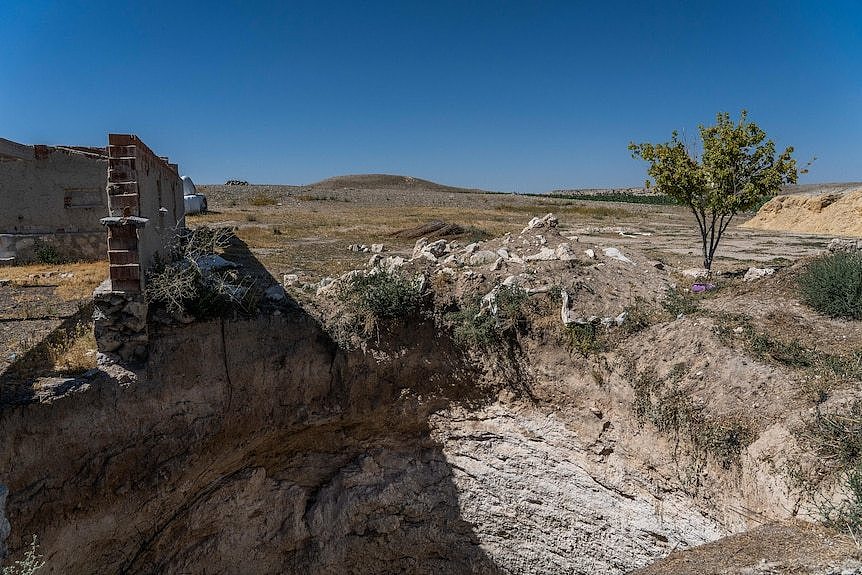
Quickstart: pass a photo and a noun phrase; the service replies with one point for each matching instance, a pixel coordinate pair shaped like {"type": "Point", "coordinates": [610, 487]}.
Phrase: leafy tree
{"type": "Point", "coordinates": [736, 170]}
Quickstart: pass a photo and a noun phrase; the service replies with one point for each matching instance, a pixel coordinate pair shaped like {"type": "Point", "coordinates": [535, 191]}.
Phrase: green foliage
{"type": "Point", "coordinates": [31, 562]}
{"type": "Point", "coordinates": [832, 285]}
{"type": "Point", "coordinates": [473, 326]}
{"type": "Point", "coordinates": [837, 440]}
{"type": "Point", "coordinates": [386, 294]}
{"type": "Point", "coordinates": [584, 339]}
{"type": "Point", "coordinates": [666, 405]}
{"type": "Point", "coordinates": [735, 170]}
{"type": "Point", "coordinates": [46, 252]}
{"type": "Point", "coordinates": [478, 325]}
{"type": "Point", "coordinates": [847, 515]}
{"type": "Point", "coordinates": [624, 198]}
{"type": "Point", "coordinates": [678, 303]}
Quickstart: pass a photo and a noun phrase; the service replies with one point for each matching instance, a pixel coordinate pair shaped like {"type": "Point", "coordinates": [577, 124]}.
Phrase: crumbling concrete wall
{"type": "Point", "coordinates": [145, 209]}
{"type": "Point", "coordinates": [52, 194]}
{"type": "Point", "coordinates": [145, 204]}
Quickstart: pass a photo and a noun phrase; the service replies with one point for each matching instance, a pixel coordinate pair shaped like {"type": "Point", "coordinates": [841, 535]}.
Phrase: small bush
{"type": "Point", "coordinates": [263, 199]}
{"type": "Point", "coordinates": [183, 286]}
{"type": "Point", "coordinates": [386, 294]}
{"type": "Point", "coordinates": [832, 285]}
{"type": "Point", "coordinates": [847, 515]}
{"type": "Point", "coordinates": [583, 338]}
{"type": "Point", "coordinates": [837, 437]}
{"type": "Point", "coordinates": [46, 252]}
{"type": "Point", "coordinates": [473, 326]}
{"type": "Point", "coordinates": [485, 325]}
{"type": "Point", "coordinates": [676, 303]}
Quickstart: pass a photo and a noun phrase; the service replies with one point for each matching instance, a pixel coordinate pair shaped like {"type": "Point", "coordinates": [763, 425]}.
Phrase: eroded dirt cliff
{"type": "Point", "coordinates": [264, 446]}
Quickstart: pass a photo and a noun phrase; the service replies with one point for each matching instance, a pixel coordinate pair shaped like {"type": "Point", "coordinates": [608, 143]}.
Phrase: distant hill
{"type": "Point", "coordinates": [384, 182]}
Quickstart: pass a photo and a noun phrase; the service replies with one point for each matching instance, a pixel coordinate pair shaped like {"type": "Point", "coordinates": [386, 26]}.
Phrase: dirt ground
{"type": "Point", "coordinates": [308, 230]}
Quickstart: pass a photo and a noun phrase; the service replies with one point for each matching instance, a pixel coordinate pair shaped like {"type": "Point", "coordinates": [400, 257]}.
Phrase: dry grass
{"type": "Point", "coordinates": [75, 354]}
{"type": "Point", "coordinates": [86, 276]}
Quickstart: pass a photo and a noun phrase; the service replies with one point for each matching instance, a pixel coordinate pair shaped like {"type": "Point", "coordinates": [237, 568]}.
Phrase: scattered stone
{"type": "Point", "coordinates": [757, 273]}
{"type": "Point", "coordinates": [393, 262]}
{"type": "Point", "coordinates": [510, 281]}
{"type": "Point", "coordinates": [565, 253]}
{"type": "Point", "coordinates": [483, 257]}
{"type": "Point", "coordinates": [844, 245]}
{"type": "Point", "coordinates": [290, 279]}
{"type": "Point", "coordinates": [549, 221]}
{"type": "Point", "coordinates": [616, 254]}
{"type": "Point", "coordinates": [377, 248]}
{"type": "Point", "coordinates": [590, 253]}
{"type": "Point", "coordinates": [470, 248]}
{"type": "Point", "coordinates": [695, 273]}
{"type": "Point", "coordinates": [275, 293]}
{"type": "Point", "coordinates": [657, 265]}
{"type": "Point", "coordinates": [375, 260]}
{"type": "Point", "coordinates": [497, 265]}
{"type": "Point", "coordinates": [546, 254]}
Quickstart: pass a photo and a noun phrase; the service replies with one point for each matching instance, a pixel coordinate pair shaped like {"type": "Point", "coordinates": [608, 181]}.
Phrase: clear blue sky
{"type": "Point", "coordinates": [525, 96]}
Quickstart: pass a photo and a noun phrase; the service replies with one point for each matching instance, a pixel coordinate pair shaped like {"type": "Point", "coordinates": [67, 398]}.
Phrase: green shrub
{"type": "Point", "coordinates": [847, 515]}
{"type": "Point", "coordinates": [46, 252]}
{"type": "Point", "coordinates": [583, 338]}
{"type": "Point", "coordinates": [386, 294]}
{"type": "Point", "coordinates": [832, 285]}
{"type": "Point", "coordinates": [472, 326]}
{"type": "Point", "coordinates": [475, 325]}
{"type": "Point", "coordinates": [677, 303]}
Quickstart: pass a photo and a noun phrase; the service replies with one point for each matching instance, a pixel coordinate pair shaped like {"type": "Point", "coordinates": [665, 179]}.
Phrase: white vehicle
{"type": "Point", "coordinates": [195, 203]}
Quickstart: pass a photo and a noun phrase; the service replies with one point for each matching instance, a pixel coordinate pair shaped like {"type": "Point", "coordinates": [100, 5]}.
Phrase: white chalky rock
{"type": "Point", "coordinates": [377, 248]}
{"type": "Point", "coordinates": [290, 279]}
{"type": "Point", "coordinates": [565, 253]}
{"type": "Point", "coordinates": [616, 254]}
{"type": "Point", "coordinates": [695, 273]}
{"type": "Point", "coordinates": [757, 273]}
{"type": "Point", "coordinates": [546, 254]}
{"type": "Point", "coordinates": [483, 257]}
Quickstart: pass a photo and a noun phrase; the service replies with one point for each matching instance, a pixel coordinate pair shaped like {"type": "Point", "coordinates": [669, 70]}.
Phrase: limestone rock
{"type": "Point", "coordinates": [546, 254]}
{"type": "Point", "coordinates": [548, 221]}
{"type": "Point", "coordinates": [844, 245]}
{"type": "Point", "coordinates": [695, 273]}
{"type": "Point", "coordinates": [757, 273]}
{"type": "Point", "coordinates": [483, 257]}
{"type": "Point", "coordinates": [616, 254]}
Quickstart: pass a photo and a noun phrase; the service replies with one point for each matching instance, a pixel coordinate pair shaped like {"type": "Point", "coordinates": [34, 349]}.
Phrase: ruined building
{"type": "Point", "coordinates": [145, 209]}
{"type": "Point", "coordinates": [51, 199]}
